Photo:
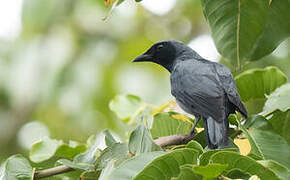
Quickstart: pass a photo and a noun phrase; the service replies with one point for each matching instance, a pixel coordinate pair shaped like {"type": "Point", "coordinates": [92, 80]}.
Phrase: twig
{"type": "Point", "coordinates": [173, 140]}
{"type": "Point", "coordinates": [52, 171]}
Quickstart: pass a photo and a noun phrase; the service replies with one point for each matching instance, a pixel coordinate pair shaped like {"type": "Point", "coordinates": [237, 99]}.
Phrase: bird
{"type": "Point", "coordinates": [201, 87]}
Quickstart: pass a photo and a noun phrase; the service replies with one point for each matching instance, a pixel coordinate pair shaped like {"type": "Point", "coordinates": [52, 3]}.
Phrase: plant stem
{"type": "Point", "coordinates": [52, 171]}
{"type": "Point", "coordinates": [270, 113]}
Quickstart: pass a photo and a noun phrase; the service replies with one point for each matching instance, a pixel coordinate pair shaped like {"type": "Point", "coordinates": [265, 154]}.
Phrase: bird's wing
{"type": "Point", "coordinates": [229, 85]}
{"type": "Point", "coordinates": [198, 90]}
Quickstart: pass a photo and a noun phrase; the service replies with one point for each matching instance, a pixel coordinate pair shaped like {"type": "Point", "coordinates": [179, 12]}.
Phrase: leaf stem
{"type": "Point", "coordinates": [267, 114]}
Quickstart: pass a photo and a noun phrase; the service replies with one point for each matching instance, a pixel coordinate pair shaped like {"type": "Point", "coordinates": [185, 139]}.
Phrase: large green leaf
{"type": "Point", "coordinates": [140, 141]}
{"type": "Point", "coordinates": [131, 167]}
{"type": "Point", "coordinates": [281, 124]}
{"type": "Point", "coordinates": [265, 142]}
{"type": "Point", "coordinates": [48, 148]}
{"type": "Point", "coordinates": [165, 124]}
{"type": "Point", "coordinates": [256, 83]}
{"type": "Point", "coordinates": [240, 27]}
{"type": "Point", "coordinates": [279, 99]}
{"type": "Point", "coordinates": [125, 106]}
{"type": "Point", "coordinates": [277, 168]}
{"type": "Point", "coordinates": [211, 170]}
{"type": "Point", "coordinates": [243, 163]}
{"type": "Point", "coordinates": [186, 173]}
{"type": "Point", "coordinates": [167, 166]}
{"type": "Point", "coordinates": [205, 157]}
{"type": "Point", "coordinates": [16, 167]}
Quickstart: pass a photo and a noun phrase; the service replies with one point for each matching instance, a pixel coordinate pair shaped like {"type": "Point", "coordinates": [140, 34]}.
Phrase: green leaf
{"type": "Point", "coordinates": [276, 30]}
{"type": "Point", "coordinates": [118, 153]}
{"type": "Point", "coordinates": [165, 124]}
{"type": "Point", "coordinates": [131, 167]}
{"type": "Point", "coordinates": [279, 99]}
{"type": "Point", "coordinates": [265, 142]}
{"type": "Point", "coordinates": [195, 145]}
{"type": "Point", "coordinates": [16, 167]}
{"type": "Point", "coordinates": [140, 141]}
{"type": "Point", "coordinates": [90, 175]}
{"type": "Point", "coordinates": [210, 170]}
{"type": "Point", "coordinates": [277, 168]}
{"type": "Point", "coordinates": [186, 173]}
{"type": "Point", "coordinates": [167, 166]}
{"type": "Point", "coordinates": [90, 156]}
{"type": "Point", "coordinates": [48, 148]}
{"type": "Point", "coordinates": [125, 106]}
{"type": "Point", "coordinates": [241, 29]}
{"type": "Point", "coordinates": [44, 149]}
{"type": "Point", "coordinates": [235, 26]}
{"type": "Point", "coordinates": [237, 174]}
{"type": "Point", "coordinates": [281, 124]}
{"type": "Point", "coordinates": [109, 139]}
{"type": "Point", "coordinates": [256, 83]}
{"type": "Point", "coordinates": [243, 163]}
{"type": "Point", "coordinates": [205, 157]}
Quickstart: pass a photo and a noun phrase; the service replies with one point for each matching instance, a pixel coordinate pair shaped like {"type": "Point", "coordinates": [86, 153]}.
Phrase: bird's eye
{"type": "Point", "coordinates": [159, 47]}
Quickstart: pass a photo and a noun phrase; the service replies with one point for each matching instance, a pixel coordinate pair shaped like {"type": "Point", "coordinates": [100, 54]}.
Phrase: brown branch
{"type": "Point", "coordinates": [52, 171]}
{"type": "Point", "coordinates": [162, 141]}
{"type": "Point", "coordinates": [174, 140]}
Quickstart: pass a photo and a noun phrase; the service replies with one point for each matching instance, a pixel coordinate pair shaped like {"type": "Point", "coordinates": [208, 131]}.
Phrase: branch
{"type": "Point", "coordinates": [52, 171]}
{"type": "Point", "coordinates": [162, 141]}
{"type": "Point", "coordinates": [173, 140]}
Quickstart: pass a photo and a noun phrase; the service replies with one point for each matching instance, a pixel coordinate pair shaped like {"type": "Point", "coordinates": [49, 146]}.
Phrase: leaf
{"type": "Point", "coordinates": [125, 106]}
{"type": "Point", "coordinates": [90, 175]}
{"type": "Point", "coordinates": [167, 166]}
{"type": "Point", "coordinates": [205, 157]}
{"type": "Point", "coordinates": [118, 153]}
{"type": "Point", "coordinates": [140, 141]}
{"type": "Point", "coordinates": [196, 146]}
{"type": "Point", "coordinates": [265, 142]}
{"type": "Point", "coordinates": [131, 167]}
{"type": "Point", "coordinates": [241, 29]}
{"type": "Point", "coordinates": [165, 125]}
{"type": "Point", "coordinates": [281, 124]}
{"type": "Point", "coordinates": [109, 139]}
{"type": "Point", "coordinates": [256, 83]}
{"type": "Point", "coordinates": [74, 165]}
{"type": "Point", "coordinates": [279, 99]}
{"type": "Point", "coordinates": [211, 170]}
{"type": "Point", "coordinates": [243, 163]}
{"type": "Point", "coordinates": [16, 167]}
{"type": "Point", "coordinates": [89, 157]}
{"type": "Point", "coordinates": [277, 168]}
{"type": "Point", "coordinates": [44, 149]}
{"type": "Point", "coordinates": [235, 26]}
{"type": "Point", "coordinates": [276, 30]}
{"type": "Point", "coordinates": [48, 148]}
{"type": "Point", "coordinates": [186, 173]}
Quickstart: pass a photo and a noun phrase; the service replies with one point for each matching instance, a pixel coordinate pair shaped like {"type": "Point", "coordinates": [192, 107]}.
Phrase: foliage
{"type": "Point", "coordinates": [243, 31]}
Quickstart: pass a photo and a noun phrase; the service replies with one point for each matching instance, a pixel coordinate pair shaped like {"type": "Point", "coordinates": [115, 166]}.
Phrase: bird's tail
{"type": "Point", "coordinates": [216, 133]}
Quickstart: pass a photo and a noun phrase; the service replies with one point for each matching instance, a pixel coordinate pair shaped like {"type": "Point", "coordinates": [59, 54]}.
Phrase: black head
{"type": "Point", "coordinates": [164, 53]}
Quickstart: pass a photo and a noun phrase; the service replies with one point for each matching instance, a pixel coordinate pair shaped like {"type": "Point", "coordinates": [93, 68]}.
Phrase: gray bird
{"type": "Point", "coordinates": [203, 88]}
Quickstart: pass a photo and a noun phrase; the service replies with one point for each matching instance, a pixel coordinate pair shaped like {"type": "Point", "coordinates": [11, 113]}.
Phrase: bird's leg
{"type": "Point", "coordinates": [197, 118]}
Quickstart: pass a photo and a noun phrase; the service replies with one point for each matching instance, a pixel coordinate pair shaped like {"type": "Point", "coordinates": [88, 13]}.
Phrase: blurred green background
{"type": "Point", "coordinates": [61, 63]}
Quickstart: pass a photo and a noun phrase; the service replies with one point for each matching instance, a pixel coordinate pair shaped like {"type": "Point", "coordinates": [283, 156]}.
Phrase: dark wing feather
{"type": "Point", "coordinates": [197, 90]}
{"type": "Point", "coordinates": [229, 85]}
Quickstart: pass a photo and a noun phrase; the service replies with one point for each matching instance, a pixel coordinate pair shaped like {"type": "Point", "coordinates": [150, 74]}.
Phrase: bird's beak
{"type": "Point", "coordinates": [143, 57]}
